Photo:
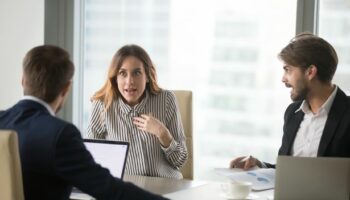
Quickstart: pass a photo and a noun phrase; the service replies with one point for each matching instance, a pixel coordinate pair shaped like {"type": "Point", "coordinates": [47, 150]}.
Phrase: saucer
{"type": "Point", "coordinates": [250, 196]}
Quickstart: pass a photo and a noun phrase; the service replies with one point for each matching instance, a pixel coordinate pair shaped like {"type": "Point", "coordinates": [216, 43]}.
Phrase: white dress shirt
{"type": "Point", "coordinates": [310, 131]}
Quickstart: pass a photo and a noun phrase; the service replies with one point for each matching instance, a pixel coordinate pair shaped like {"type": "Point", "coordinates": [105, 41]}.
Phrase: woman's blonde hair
{"type": "Point", "coordinates": [109, 90]}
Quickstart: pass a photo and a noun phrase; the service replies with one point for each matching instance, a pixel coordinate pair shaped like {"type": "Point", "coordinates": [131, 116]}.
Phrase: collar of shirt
{"type": "Point", "coordinates": [135, 110]}
{"type": "Point", "coordinates": [43, 103]}
{"type": "Point", "coordinates": [326, 107]}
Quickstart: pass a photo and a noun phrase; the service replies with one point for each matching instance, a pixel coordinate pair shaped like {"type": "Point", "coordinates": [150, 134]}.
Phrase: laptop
{"type": "Point", "coordinates": [312, 178]}
{"type": "Point", "coordinates": [109, 154]}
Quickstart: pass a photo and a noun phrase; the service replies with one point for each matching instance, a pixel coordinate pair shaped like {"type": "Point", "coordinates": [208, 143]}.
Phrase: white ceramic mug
{"type": "Point", "coordinates": [237, 190]}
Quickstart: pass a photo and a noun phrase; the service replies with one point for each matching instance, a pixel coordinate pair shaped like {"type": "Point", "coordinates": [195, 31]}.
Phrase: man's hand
{"type": "Point", "coordinates": [245, 162]}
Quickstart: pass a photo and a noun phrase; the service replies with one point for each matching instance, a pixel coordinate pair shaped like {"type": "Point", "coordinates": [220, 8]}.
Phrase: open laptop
{"type": "Point", "coordinates": [312, 178]}
{"type": "Point", "coordinates": [109, 154]}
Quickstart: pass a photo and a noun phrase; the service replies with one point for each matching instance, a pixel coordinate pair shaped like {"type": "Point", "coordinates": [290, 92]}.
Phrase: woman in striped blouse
{"type": "Point", "coordinates": [131, 107]}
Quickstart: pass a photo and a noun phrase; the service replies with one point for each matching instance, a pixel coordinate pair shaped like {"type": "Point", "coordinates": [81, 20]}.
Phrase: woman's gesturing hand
{"type": "Point", "coordinates": [153, 126]}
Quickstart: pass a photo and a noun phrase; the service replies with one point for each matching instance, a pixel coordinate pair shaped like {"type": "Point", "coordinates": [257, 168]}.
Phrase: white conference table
{"type": "Point", "coordinates": [183, 189]}
{"type": "Point", "coordinates": [160, 185]}
{"type": "Point", "coordinates": [155, 185]}
{"type": "Point", "coordinates": [213, 191]}
{"type": "Point", "coordinates": [188, 189]}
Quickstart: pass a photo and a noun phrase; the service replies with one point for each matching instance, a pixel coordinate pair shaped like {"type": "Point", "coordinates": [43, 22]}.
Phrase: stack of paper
{"type": "Point", "coordinates": [261, 178]}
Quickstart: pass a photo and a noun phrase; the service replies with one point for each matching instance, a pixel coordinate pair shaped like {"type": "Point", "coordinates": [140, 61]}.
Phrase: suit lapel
{"type": "Point", "coordinates": [291, 130]}
{"type": "Point", "coordinates": [334, 116]}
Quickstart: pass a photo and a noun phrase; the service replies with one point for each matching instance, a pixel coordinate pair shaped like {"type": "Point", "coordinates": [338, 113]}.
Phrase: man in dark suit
{"type": "Point", "coordinates": [318, 122]}
{"type": "Point", "coordinates": [52, 152]}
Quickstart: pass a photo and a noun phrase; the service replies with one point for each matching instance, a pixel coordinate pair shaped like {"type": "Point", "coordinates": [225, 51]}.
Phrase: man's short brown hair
{"type": "Point", "coordinates": [307, 49]}
{"type": "Point", "coordinates": [47, 70]}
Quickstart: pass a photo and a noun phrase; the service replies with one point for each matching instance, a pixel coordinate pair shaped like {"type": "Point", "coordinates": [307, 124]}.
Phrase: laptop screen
{"type": "Point", "coordinates": [109, 154]}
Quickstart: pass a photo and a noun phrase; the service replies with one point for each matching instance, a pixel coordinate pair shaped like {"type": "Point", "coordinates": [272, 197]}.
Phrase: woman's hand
{"type": "Point", "coordinates": [155, 127]}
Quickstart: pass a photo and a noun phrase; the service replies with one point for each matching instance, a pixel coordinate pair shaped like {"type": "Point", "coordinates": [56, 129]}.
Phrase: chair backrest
{"type": "Point", "coordinates": [184, 99]}
{"type": "Point", "coordinates": [11, 184]}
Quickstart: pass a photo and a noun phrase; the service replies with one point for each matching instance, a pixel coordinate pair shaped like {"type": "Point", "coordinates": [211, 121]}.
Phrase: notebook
{"type": "Point", "coordinates": [312, 178]}
{"type": "Point", "coordinates": [109, 154]}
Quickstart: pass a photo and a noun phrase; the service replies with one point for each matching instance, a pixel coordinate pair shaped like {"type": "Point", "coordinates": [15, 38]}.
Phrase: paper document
{"type": "Point", "coordinates": [261, 178]}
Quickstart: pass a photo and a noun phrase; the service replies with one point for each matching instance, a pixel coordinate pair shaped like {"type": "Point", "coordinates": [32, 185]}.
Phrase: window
{"type": "Point", "coordinates": [225, 51]}
{"type": "Point", "coordinates": [334, 26]}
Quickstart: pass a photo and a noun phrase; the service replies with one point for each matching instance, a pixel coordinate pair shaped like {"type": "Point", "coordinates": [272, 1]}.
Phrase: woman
{"type": "Point", "coordinates": [131, 107]}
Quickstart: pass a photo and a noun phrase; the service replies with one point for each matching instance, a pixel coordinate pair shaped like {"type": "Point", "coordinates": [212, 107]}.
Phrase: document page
{"type": "Point", "coordinates": [261, 178]}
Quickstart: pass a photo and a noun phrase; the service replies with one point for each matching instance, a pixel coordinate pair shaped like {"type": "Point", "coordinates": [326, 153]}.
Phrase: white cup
{"type": "Point", "coordinates": [237, 190]}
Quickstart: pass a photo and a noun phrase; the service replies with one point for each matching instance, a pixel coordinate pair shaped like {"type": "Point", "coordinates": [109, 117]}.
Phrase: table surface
{"type": "Point", "coordinates": [184, 189]}
{"type": "Point", "coordinates": [160, 185]}
{"type": "Point", "coordinates": [156, 185]}
{"type": "Point", "coordinates": [212, 190]}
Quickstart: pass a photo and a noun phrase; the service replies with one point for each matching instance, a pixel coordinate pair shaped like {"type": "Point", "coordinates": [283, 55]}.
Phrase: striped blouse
{"type": "Point", "coordinates": [147, 156]}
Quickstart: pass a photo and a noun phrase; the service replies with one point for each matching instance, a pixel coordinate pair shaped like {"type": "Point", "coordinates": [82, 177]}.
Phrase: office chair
{"type": "Point", "coordinates": [184, 99]}
{"type": "Point", "coordinates": [11, 184]}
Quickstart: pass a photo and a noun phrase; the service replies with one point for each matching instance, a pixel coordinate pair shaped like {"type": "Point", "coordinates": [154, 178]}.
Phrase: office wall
{"type": "Point", "coordinates": [21, 28]}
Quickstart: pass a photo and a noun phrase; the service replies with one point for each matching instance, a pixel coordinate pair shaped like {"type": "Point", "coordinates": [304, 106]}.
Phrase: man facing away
{"type": "Point", "coordinates": [52, 152]}
{"type": "Point", "coordinates": [317, 123]}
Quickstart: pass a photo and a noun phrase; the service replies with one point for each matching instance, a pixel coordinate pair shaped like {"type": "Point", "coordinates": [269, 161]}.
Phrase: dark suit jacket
{"type": "Point", "coordinates": [54, 158]}
{"type": "Point", "coordinates": [335, 140]}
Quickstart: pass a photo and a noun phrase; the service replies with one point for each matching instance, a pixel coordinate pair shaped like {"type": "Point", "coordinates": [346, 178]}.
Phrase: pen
{"type": "Point", "coordinates": [246, 158]}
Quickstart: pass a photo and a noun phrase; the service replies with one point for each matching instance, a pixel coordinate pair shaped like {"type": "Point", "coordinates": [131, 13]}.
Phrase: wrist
{"type": "Point", "coordinates": [259, 163]}
{"type": "Point", "coordinates": [165, 137]}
